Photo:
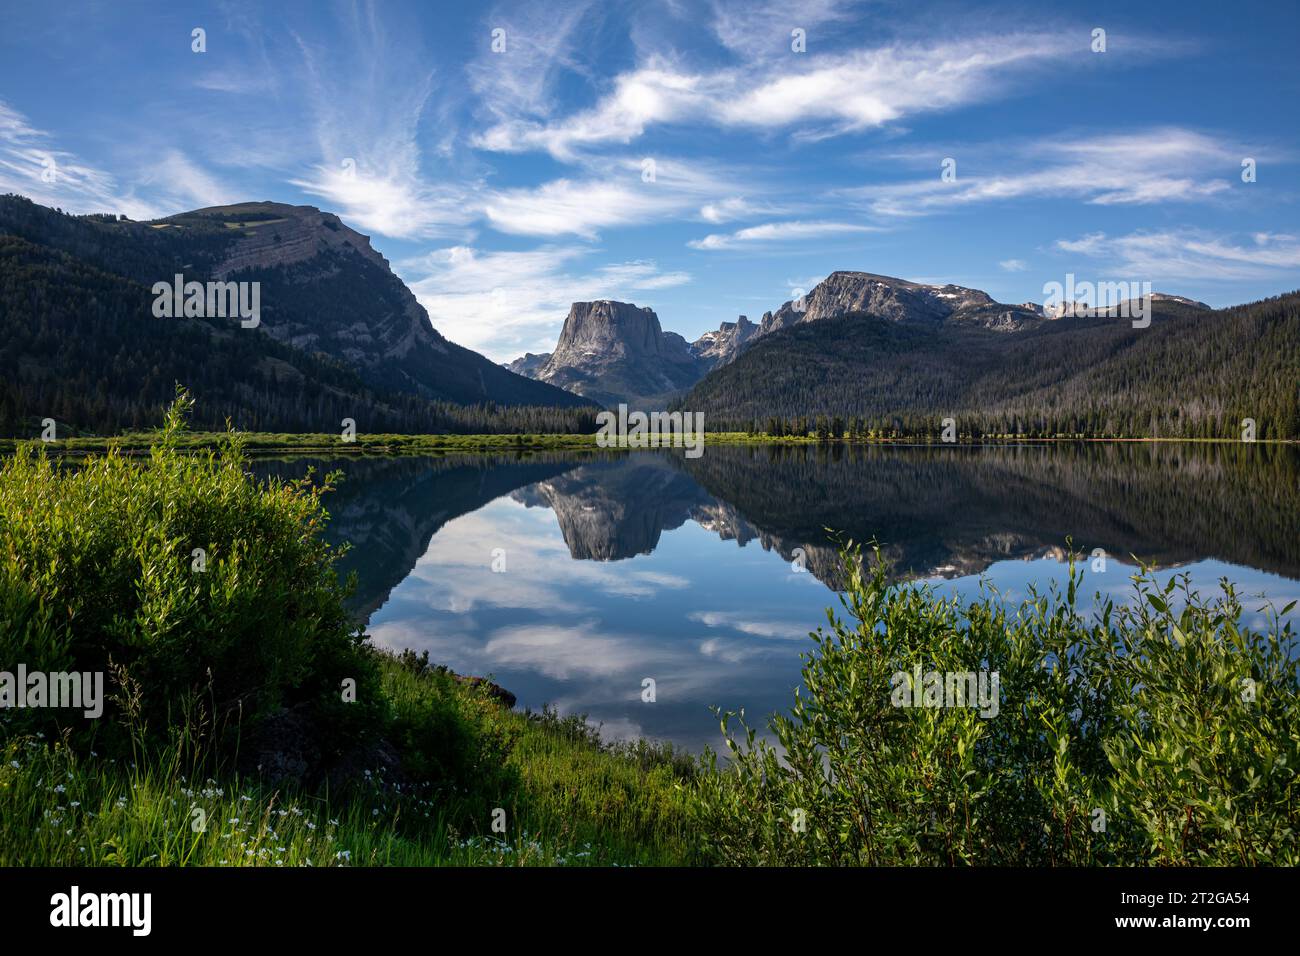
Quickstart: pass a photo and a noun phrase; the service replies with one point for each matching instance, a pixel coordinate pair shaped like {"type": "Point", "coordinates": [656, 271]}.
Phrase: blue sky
{"type": "Point", "coordinates": [503, 185]}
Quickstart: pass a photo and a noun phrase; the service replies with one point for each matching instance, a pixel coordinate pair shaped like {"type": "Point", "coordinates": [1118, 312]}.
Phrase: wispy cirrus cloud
{"type": "Point", "coordinates": [375, 171]}
{"type": "Point", "coordinates": [621, 192]}
{"type": "Point", "coordinates": [390, 199]}
{"type": "Point", "coordinates": [842, 92]}
{"type": "Point", "coordinates": [1165, 164]}
{"type": "Point", "coordinates": [735, 207]}
{"type": "Point", "coordinates": [1193, 254]}
{"type": "Point", "coordinates": [579, 207]}
{"type": "Point", "coordinates": [759, 29]}
{"type": "Point", "coordinates": [503, 303]}
{"type": "Point", "coordinates": [33, 165]}
{"type": "Point", "coordinates": [770, 232]}
{"type": "Point", "coordinates": [542, 41]}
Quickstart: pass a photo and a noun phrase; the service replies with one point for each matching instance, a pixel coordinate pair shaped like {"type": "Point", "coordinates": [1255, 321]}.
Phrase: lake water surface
{"type": "Point", "coordinates": [706, 575]}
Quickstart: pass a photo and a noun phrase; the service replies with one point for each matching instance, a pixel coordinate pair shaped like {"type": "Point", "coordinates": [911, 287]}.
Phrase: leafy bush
{"type": "Point", "coordinates": [99, 572]}
{"type": "Point", "coordinates": [1142, 737]}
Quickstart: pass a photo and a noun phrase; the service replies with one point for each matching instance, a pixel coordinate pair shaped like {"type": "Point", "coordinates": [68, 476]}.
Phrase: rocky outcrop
{"type": "Point", "coordinates": [494, 691]}
{"type": "Point", "coordinates": [1181, 300]}
{"type": "Point", "coordinates": [895, 300]}
{"type": "Point", "coordinates": [529, 364]}
{"type": "Point", "coordinates": [718, 348]}
{"type": "Point", "coordinates": [277, 234]}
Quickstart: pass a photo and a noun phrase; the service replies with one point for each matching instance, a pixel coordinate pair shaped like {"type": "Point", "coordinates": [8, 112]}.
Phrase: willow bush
{"type": "Point", "coordinates": [194, 588]}
{"type": "Point", "coordinates": [1155, 732]}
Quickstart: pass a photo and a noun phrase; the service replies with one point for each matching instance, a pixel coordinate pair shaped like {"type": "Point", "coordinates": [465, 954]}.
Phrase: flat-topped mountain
{"type": "Point", "coordinates": [615, 351]}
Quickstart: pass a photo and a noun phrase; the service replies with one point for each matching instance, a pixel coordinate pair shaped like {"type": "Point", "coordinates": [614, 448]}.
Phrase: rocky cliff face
{"type": "Point", "coordinates": [612, 510]}
{"type": "Point", "coordinates": [896, 300]}
{"type": "Point", "coordinates": [613, 352]}
{"type": "Point", "coordinates": [297, 245]}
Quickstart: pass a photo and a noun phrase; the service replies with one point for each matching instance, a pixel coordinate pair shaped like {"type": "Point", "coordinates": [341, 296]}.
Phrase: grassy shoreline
{"type": "Point", "coordinates": [133, 443]}
{"type": "Point", "coordinates": [575, 802]}
{"type": "Point", "coordinates": [250, 720]}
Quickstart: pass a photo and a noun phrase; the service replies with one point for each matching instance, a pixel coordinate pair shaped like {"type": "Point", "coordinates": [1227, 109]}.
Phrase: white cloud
{"type": "Point", "coordinates": [654, 94]}
{"type": "Point", "coordinates": [177, 175]}
{"type": "Point", "coordinates": [616, 195]}
{"type": "Point", "coordinates": [1160, 256]}
{"type": "Point", "coordinates": [1136, 168]}
{"type": "Point", "coordinates": [567, 207]}
{"type": "Point", "coordinates": [1013, 265]}
{"type": "Point", "coordinates": [734, 207]}
{"type": "Point", "coordinates": [368, 102]}
{"type": "Point", "coordinates": [747, 624]}
{"type": "Point", "coordinates": [757, 29]}
{"type": "Point", "coordinates": [855, 91]}
{"type": "Point", "coordinates": [542, 42]}
{"type": "Point", "coordinates": [393, 201]}
{"type": "Point", "coordinates": [239, 82]}
{"type": "Point", "coordinates": [778, 231]}
{"type": "Point", "coordinates": [506, 303]}
{"type": "Point", "coordinates": [33, 166]}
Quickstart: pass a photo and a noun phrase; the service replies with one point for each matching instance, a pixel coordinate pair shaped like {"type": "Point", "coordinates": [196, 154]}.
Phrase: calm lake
{"type": "Point", "coordinates": [706, 575]}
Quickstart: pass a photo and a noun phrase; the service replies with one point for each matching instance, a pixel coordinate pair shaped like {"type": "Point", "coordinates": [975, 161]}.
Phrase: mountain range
{"type": "Point", "coordinates": [901, 356]}
{"type": "Point", "coordinates": [339, 335]}
{"type": "Point", "coordinates": [1192, 372]}
{"type": "Point", "coordinates": [615, 351]}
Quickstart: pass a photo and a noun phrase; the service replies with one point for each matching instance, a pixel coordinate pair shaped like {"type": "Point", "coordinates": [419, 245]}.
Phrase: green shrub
{"type": "Point", "coordinates": [455, 738]}
{"type": "Point", "coordinates": [1131, 739]}
{"type": "Point", "coordinates": [98, 573]}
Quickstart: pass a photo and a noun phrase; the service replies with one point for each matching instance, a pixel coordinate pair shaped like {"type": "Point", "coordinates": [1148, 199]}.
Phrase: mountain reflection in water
{"type": "Point", "coordinates": [626, 565]}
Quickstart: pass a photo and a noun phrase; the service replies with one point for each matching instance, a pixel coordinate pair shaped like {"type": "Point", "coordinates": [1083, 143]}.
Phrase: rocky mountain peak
{"type": "Point", "coordinates": [609, 327]}
{"type": "Point", "coordinates": [274, 234]}
{"type": "Point", "coordinates": [896, 300]}
{"type": "Point", "coordinates": [529, 363]}
{"type": "Point", "coordinates": [615, 351]}
{"type": "Point", "coordinates": [720, 347]}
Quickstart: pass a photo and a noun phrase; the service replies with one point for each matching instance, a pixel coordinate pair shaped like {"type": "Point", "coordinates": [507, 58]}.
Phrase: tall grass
{"type": "Point", "coordinates": [568, 799]}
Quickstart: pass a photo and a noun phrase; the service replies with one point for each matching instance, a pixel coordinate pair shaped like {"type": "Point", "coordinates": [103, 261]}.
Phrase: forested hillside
{"type": "Point", "coordinates": [80, 345]}
{"type": "Point", "coordinates": [1193, 373]}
